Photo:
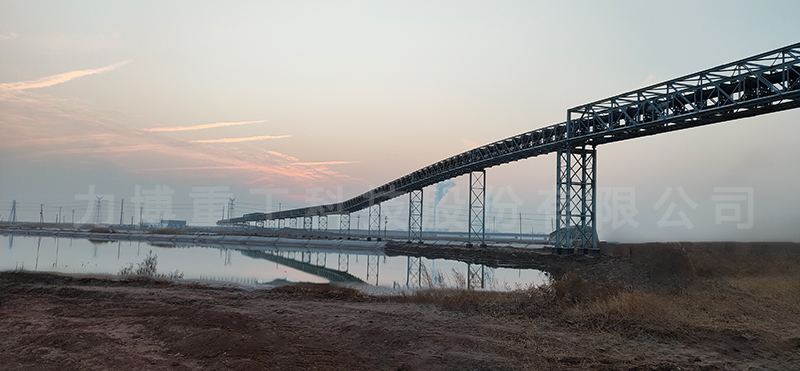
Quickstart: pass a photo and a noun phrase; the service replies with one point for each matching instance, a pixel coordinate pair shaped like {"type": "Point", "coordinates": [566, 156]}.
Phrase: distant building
{"type": "Point", "coordinates": [173, 224]}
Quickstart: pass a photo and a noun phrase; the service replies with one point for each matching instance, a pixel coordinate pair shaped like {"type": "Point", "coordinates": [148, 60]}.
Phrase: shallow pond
{"type": "Point", "coordinates": [254, 265]}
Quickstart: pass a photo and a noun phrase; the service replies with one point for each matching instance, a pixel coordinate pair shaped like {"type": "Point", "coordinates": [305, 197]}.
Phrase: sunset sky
{"type": "Point", "coordinates": [316, 101]}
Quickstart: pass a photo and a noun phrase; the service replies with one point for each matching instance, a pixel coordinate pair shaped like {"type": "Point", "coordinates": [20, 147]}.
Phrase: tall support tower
{"type": "Point", "coordinates": [344, 225]}
{"type": "Point", "coordinates": [477, 208]}
{"type": "Point", "coordinates": [373, 268]}
{"type": "Point", "coordinates": [374, 222]}
{"type": "Point", "coordinates": [476, 276]}
{"type": "Point", "coordinates": [575, 200]}
{"type": "Point", "coordinates": [308, 223]}
{"type": "Point", "coordinates": [322, 223]}
{"type": "Point", "coordinates": [13, 215]}
{"type": "Point", "coordinates": [97, 209]}
{"type": "Point", "coordinates": [414, 272]}
{"type": "Point", "coordinates": [415, 216]}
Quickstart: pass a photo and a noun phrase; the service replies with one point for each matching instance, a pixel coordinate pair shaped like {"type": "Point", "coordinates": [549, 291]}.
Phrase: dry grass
{"type": "Point", "coordinates": [705, 289]}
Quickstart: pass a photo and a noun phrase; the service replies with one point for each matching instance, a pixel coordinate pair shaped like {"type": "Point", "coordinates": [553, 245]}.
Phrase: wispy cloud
{"type": "Point", "coordinates": [58, 79]}
{"type": "Point", "coordinates": [325, 163]}
{"type": "Point", "coordinates": [201, 127]}
{"type": "Point", "coordinates": [8, 37]}
{"type": "Point", "coordinates": [70, 131]}
{"type": "Point", "coordinates": [245, 139]}
{"type": "Point", "coordinates": [281, 155]}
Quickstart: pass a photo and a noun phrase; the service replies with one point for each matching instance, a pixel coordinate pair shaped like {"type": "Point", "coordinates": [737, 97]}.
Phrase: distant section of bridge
{"type": "Point", "coordinates": [757, 85]}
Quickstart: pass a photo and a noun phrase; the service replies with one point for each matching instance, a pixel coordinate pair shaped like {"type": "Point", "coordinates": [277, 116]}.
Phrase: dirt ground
{"type": "Point", "coordinates": [651, 307]}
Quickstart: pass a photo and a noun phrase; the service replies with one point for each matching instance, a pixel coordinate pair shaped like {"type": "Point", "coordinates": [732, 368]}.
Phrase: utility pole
{"type": "Point", "coordinates": [358, 222]}
{"type": "Point", "coordinates": [41, 213]}
{"type": "Point", "coordinates": [59, 215]}
{"type": "Point", "coordinates": [13, 216]}
{"type": "Point", "coordinates": [520, 226]}
{"type": "Point", "coordinates": [98, 206]}
{"type": "Point", "coordinates": [121, 207]}
{"type": "Point", "coordinates": [141, 211]}
{"type": "Point", "coordinates": [385, 225]}
{"type": "Point", "coordinates": [73, 216]}
{"type": "Point", "coordinates": [223, 211]}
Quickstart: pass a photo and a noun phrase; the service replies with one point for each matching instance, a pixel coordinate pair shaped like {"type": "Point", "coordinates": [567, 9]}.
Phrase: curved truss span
{"type": "Point", "coordinates": [764, 83]}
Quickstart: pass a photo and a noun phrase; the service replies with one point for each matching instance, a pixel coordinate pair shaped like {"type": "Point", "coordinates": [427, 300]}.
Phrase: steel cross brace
{"type": "Point", "coordinates": [344, 225]}
{"type": "Point", "coordinates": [476, 276]}
{"type": "Point", "coordinates": [414, 272]}
{"type": "Point", "coordinates": [575, 201]}
{"type": "Point", "coordinates": [415, 216]}
{"type": "Point", "coordinates": [344, 262]}
{"type": "Point", "coordinates": [477, 208]}
{"type": "Point", "coordinates": [322, 223]}
{"type": "Point", "coordinates": [374, 222]}
{"type": "Point", "coordinates": [373, 268]}
{"type": "Point", "coordinates": [308, 223]}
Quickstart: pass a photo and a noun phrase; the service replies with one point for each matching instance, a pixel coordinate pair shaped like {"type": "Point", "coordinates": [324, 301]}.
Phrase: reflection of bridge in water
{"type": "Point", "coordinates": [418, 275]}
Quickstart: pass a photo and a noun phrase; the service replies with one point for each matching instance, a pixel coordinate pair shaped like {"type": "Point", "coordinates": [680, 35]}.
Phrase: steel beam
{"type": "Point", "coordinates": [415, 216]}
{"type": "Point", "coordinates": [374, 222]}
{"type": "Point", "coordinates": [477, 208]}
{"type": "Point", "coordinates": [575, 201]}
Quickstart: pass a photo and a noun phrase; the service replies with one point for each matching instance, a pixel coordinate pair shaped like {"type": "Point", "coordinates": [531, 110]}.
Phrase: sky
{"type": "Point", "coordinates": [181, 105]}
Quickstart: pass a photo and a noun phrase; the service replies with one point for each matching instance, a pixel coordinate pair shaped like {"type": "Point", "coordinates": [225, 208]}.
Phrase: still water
{"type": "Point", "coordinates": [253, 265]}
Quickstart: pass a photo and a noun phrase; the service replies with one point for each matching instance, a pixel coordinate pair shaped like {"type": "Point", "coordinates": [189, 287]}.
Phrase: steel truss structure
{"type": "Point", "coordinates": [415, 216]}
{"type": "Point", "coordinates": [308, 223]}
{"type": "Point", "coordinates": [414, 272]}
{"type": "Point", "coordinates": [476, 276]}
{"type": "Point", "coordinates": [374, 228]}
{"type": "Point", "coordinates": [575, 200]}
{"type": "Point", "coordinates": [344, 262]}
{"type": "Point", "coordinates": [344, 224]}
{"type": "Point", "coordinates": [322, 223]}
{"type": "Point", "coordinates": [477, 208]}
{"type": "Point", "coordinates": [373, 268]}
{"type": "Point", "coordinates": [761, 84]}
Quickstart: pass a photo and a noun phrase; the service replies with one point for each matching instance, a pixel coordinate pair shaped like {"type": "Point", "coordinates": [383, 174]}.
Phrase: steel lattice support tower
{"type": "Point", "coordinates": [414, 272]}
{"type": "Point", "coordinates": [292, 223]}
{"type": "Point", "coordinates": [323, 260]}
{"type": "Point", "coordinates": [415, 216]}
{"type": "Point", "coordinates": [373, 268]}
{"type": "Point", "coordinates": [374, 222]}
{"type": "Point", "coordinates": [281, 223]}
{"type": "Point", "coordinates": [344, 225]}
{"type": "Point", "coordinates": [344, 262]}
{"type": "Point", "coordinates": [575, 200]}
{"type": "Point", "coordinates": [476, 276]}
{"type": "Point", "coordinates": [477, 208]}
{"type": "Point", "coordinates": [322, 223]}
{"type": "Point", "coordinates": [308, 223]}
